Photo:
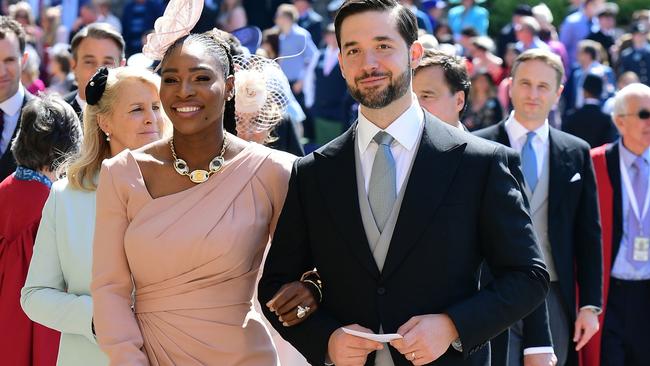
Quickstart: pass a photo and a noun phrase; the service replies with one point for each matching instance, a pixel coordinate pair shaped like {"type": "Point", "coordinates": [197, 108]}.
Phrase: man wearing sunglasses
{"type": "Point", "coordinates": [622, 171]}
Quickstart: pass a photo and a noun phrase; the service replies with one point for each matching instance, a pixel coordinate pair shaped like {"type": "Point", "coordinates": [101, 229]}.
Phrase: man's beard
{"type": "Point", "coordinates": [377, 98]}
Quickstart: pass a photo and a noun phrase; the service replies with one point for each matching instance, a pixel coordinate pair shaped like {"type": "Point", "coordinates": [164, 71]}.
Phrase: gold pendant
{"type": "Point", "coordinates": [199, 176]}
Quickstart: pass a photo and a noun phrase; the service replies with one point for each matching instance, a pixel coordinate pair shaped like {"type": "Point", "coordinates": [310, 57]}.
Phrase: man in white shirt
{"type": "Point", "coordinates": [12, 94]}
{"type": "Point", "coordinates": [398, 214]}
{"type": "Point", "coordinates": [561, 188]}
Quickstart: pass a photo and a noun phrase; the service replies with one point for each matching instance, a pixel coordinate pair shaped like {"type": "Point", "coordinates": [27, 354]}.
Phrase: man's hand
{"type": "Point", "coordinates": [540, 359]}
{"type": "Point", "coordinates": [286, 301]}
{"type": "Point", "coordinates": [586, 326]}
{"type": "Point", "coordinates": [427, 337]}
{"type": "Point", "coordinates": [347, 350]}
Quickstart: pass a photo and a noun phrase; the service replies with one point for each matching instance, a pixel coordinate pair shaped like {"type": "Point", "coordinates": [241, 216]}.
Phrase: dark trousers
{"type": "Point", "coordinates": [626, 332]}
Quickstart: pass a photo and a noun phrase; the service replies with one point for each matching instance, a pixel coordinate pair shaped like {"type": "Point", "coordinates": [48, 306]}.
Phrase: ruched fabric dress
{"type": "Point", "coordinates": [193, 258]}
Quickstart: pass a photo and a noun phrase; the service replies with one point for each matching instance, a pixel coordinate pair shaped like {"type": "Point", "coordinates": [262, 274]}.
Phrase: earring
{"type": "Point", "coordinates": [108, 136]}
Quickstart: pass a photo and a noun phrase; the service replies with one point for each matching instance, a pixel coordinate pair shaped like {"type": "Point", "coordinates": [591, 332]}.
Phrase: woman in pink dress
{"type": "Point", "coordinates": [182, 225]}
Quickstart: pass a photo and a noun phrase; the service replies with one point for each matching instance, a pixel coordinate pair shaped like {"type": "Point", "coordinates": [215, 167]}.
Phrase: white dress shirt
{"type": "Point", "coordinates": [11, 108]}
{"type": "Point", "coordinates": [81, 102]}
{"type": "Point", "coordinates": [406, 130]}
{"type": "Point", "coordinates": [517, 136]}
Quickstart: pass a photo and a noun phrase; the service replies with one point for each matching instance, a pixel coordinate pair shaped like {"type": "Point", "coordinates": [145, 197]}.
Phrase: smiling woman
{"type": "Point", "coordinates": [185, 222]}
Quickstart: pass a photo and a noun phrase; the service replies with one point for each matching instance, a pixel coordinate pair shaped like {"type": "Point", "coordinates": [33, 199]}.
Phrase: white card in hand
{"type": "Point", "coordinates": [383, 338]}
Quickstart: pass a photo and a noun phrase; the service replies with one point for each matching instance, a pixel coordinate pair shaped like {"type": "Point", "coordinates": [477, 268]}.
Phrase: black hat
{"type": "Point", "coordinates": [639, 27]}
{"type": "Point", "coordinates": [523, 9]}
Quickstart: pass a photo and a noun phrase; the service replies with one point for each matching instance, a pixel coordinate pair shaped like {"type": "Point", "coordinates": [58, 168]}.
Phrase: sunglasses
{"type": "Point", "coordinates": [642, 114]}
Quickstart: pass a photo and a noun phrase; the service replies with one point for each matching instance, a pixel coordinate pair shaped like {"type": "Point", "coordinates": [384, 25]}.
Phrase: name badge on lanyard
{"type": "Point", "coordinates": [641, 243]}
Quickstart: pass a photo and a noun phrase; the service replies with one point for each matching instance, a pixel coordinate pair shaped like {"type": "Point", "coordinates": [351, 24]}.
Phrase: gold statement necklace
{"type": "Point", "coordinates": [199, 175]}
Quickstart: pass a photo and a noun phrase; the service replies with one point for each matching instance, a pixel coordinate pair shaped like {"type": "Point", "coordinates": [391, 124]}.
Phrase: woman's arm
{"type": "Point", "coordinates": [117, 331]}
{"type": "Point", "coordinates": [44, 297]}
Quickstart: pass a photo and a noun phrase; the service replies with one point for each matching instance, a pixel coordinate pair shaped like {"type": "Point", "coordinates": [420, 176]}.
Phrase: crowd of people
{"type": "Point", "coordinates": [472, 199]}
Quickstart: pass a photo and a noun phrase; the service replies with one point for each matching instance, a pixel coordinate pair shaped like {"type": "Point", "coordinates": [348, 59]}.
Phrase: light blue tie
{"type": "Point", "coordinates": [529, 162]}
{"type": "Point", "coordinates": [382, 189]}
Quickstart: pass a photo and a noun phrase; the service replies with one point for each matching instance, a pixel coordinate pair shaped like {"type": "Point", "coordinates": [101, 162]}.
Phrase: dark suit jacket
{"type": "Point", "coordinates": [312, 22]}
{"type": "Point", "coordinates": [590, 124]}
{"type": "Point", "coordinates": [7, 161]}
{"type": "Point", "coordinates": [71, 98]}
{"type": "Point", "coordinates": [573, 230]}
{"type": "Point", "coordinates": [461, 206]}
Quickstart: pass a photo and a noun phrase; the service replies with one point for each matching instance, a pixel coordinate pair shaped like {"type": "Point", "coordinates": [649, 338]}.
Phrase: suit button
{"type": "Point", "coordinates": [381, 291]}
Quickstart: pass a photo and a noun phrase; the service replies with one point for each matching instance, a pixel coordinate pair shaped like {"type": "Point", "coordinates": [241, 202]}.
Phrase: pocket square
{"type": "Point", "coordinates": [575, 178]}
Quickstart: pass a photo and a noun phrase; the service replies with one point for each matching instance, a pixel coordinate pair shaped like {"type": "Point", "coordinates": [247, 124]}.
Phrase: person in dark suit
{"type": "Point", "coordinates": [397, 214]}
{"type": "Point", "coordinates": [13, 96]}
{"type": "Point", "coordinates": [310, 20]}
{"type": "Point", "coordinates": [92, 47]}
{"type": "Point", "coordinates": [561, 188]}
{"type": "Point", "coordinates": [589, 122]}
{"type": "Point", "coordinates": [625, 335]}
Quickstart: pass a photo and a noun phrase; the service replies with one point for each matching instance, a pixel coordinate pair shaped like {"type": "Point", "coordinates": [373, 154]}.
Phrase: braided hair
{"type": "Point", "coordinates": [218, 47]}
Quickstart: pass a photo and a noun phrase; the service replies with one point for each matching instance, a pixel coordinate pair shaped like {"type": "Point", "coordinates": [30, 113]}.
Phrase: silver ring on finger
{"type": "Point", "coordinates": [301, 311]}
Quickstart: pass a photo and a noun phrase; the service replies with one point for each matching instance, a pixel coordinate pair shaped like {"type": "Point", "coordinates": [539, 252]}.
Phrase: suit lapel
{"type": "Point", "coordinates": [433, 170]}
{"type": "Point", "coordinates": [612, 156]}
{"type": "Point", "coordinates": [8, 154]}
{"type": "Point", "coordinates": [502, 134]}
{"type": "Point", "coordinates": [338, 185]}
{"type": "Point", "coordinates": [560, 174]}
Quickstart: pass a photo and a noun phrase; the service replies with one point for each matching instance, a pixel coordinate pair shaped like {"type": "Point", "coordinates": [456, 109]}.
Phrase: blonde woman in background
{"type": "Point", "coordinates": [123, 112]}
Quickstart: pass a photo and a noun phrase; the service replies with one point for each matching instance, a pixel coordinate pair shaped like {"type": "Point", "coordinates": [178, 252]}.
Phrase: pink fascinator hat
{"type": "Point", "coordinates": [178, 20]}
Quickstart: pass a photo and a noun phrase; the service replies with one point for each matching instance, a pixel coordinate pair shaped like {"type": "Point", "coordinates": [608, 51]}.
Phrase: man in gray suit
{"type": "Point", "coordinates": [398, 214]}
{"type": "Point", "coordinates": [561, 189]}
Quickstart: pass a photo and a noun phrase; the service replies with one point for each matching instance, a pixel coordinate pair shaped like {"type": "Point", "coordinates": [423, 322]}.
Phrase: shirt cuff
{"type": "Point", "coordinates": [537, 350]}
{"type": "Point", "coordinates": [593, 308]}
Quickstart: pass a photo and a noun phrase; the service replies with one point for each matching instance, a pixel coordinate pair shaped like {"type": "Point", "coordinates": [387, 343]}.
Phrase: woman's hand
{"type": "Point", "coordinates": [291, 301]}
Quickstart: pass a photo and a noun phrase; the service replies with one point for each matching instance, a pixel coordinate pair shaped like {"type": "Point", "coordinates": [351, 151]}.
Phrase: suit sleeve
{"type": "Point", "coordinates": [537, 330]}
{"type": "Point", "coordinates": [508, 244]}
{"type": "Point", "coordinates": [588, 255]}
{"type": "Point", "coordinates": [289, 256]}
{"type": "Point", "coordinates": [118, 334]}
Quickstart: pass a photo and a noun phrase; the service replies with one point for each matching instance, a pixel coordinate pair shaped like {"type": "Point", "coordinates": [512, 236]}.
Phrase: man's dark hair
{"type": "Point", "coordinates": [593, 86]}
{"type": "Point", "coordinates": [453, 67]}
{"type": "Point", "coordinates": [49, 133]}
{"type": "Point", "coordinates": [592, 48]}
{"type": "Point", "coordinates": [469, 32]}
{"type": "Point", "coordinates": [97, 31]}
{"type": "Point", "coordinates": [8, 25]}
{"type": "Point", "coordinates": [407, 24]}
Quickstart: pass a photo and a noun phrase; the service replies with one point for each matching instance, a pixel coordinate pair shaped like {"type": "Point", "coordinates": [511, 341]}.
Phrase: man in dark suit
{"type": "Point", "coordinates": [397, 214]}
{"type": "Point", "coordinates": [622, 173]}
{"type": "Point", "coordinates": [589, 122]}
{"type": "Point", "coordinates": [310, 20]}
{"type": "Point", "coordinates": [92, 47]}
{"type": "Point", "coordinates": [12, 94]}
{"type": "Point", "coordinates": [561, 189]}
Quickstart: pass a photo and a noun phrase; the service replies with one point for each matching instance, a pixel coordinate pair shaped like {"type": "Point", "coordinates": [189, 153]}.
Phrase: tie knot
{"type": "Point", "coordinates": [530, 136]}
{"type": "Point", "coordinates": [383, 138]}
{"type": "Point", "coordinates": [639, 163]}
